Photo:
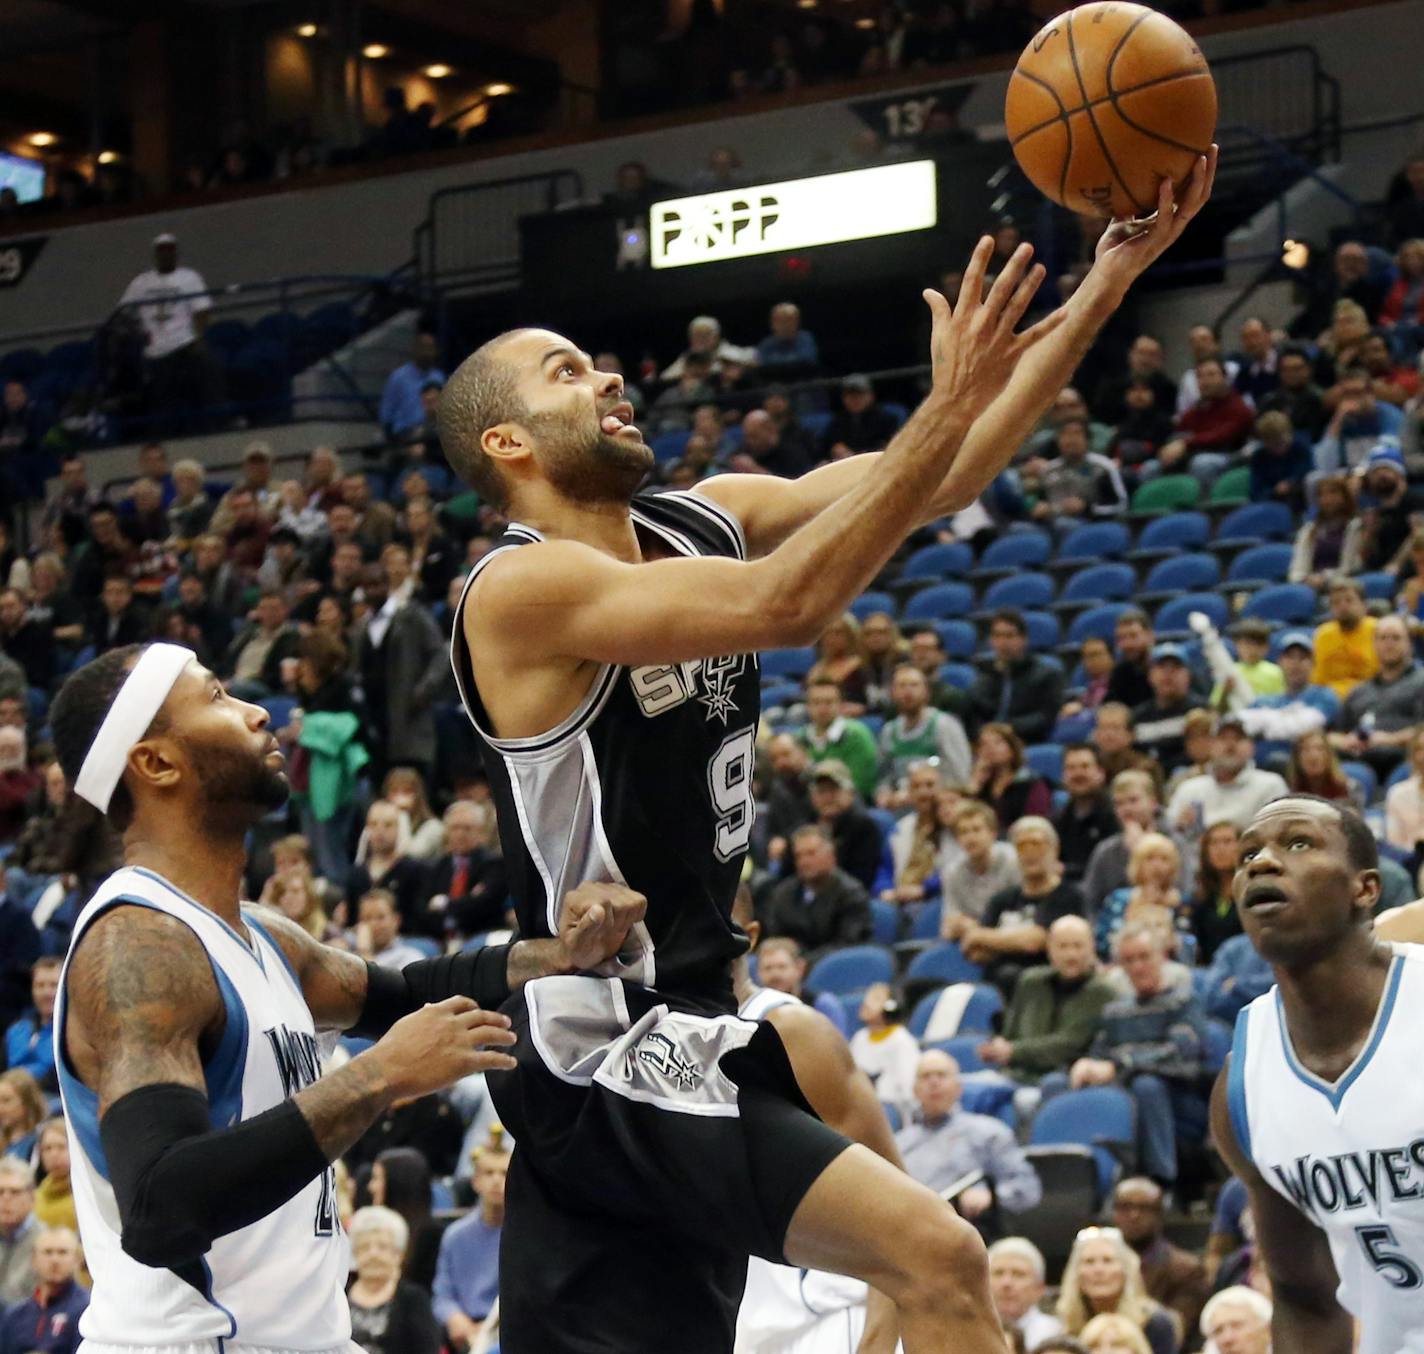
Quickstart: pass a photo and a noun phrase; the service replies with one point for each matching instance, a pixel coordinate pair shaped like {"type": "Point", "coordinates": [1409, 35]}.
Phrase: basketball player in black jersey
{"type": "Point", "coordinates": [605, 652]}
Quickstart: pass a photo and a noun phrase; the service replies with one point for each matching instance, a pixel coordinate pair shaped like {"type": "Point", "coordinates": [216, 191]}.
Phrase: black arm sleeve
{"type": "Point", "coordinates": [482, 975]}
{"type": "Point", "coordinates": [180, 1184]}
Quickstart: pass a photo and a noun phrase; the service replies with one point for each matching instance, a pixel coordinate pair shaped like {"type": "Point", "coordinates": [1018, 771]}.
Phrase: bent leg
{"type": "Point", "coordinates": [865, 1218]}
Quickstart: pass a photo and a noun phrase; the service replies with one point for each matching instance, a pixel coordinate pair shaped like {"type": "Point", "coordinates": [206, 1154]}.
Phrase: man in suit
{"type": "Point", "coordinates": [469, 884]}
{"type": "Point", "coordinates": [116, 621]}
{"type": "Point", "coordinates": [821, 907]}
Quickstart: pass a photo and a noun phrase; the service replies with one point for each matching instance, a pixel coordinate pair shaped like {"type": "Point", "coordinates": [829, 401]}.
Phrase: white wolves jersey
{"type": "Point", "coordinates": [279, 1283]}
{"type": "Point", "coordinates": [763, 1001]}
{"type": "Point", "coordinates": [647, 783]}
{"type": "Point", "coordinates": [1350, 1156]}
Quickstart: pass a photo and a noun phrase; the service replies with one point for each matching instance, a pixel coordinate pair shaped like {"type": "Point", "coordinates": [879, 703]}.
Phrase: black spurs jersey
{"type": "Point", "coordinates": [647, 783]}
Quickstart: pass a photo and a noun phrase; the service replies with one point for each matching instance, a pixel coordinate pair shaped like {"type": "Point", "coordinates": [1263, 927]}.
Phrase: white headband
{"type": "Point", "coordinates": [139, 699]}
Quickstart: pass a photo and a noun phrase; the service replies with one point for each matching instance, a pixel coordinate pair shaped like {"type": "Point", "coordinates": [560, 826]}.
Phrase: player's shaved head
{"type": "Point", "coordinates": [1360, 845]}
{"type": "Point", "coordinates": [483, 392]}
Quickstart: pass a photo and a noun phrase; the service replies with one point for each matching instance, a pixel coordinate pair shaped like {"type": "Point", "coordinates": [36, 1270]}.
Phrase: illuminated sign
{"type": "Point", "coordinates": [798, 214]}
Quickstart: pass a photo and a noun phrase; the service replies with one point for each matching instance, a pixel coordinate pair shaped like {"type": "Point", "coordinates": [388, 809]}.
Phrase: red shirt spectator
{"type": "Point", "coordinates": [1221, 419]}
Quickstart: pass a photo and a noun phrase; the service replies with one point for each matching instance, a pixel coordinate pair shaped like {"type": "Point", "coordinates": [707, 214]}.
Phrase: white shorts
{"type": "Point", "coordinates": [209, 1347]}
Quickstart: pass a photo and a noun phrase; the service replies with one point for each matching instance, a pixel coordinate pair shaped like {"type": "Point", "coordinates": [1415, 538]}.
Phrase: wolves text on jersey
{"type": "Point", "coordinates": [298, 1058]}
{"type": "Point", "coordinates": [1347, 1180]}
{"type": "Point", "coordinates": [711, 680]}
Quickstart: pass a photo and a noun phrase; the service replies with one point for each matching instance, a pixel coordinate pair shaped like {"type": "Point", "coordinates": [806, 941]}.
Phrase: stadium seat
{"type": "Point", "coordinates": [1102, 1118]}
{"type": "Point", "coordinates": [964, 1049]}
{"type": "Point", "coordinates": [1069, 1175]}
{"type": "Point", "coordinates": [21, 364]}
{"type": "Point", "coordinates": [947, 560]}
{"type": "Point", "coordinates": [1178, 574]}
{"type": "Point", "coordinates": [1287, 603]}
{"type": "Point", "coordinates": [280, 708]}
{"type": "Point", "coordinates": [1098, 583]}
{"type": "Point", "coordinates": [1046, 760]}
{"type": "Point", "coordinates": [884, 819]}
{"type": "Point", "coordinates": [896, 411]}
{"type": "Point", "coordinates": [794, 663]}
{"type": "Point", "coordinates": [1099, 622]}
{"type": "Point", "coordinates": [1167, 493]}
{"type": "Point", "coordinates": [874, 723]}
{"type": "Point", "coordinates": [943, 964]}
{"type": "Point", "coordinates": [1363, 775]}
{"type": "Point", "coordinates": [1232, 487]}
{"type": "Point", "coordinates": [1253, 523]}
{"type": "Point", "coordinates": [942, 601]}
{"type": "Point", "coordinates": [780, 693]}
{"type": "Point", "coordinates": [1401, 772]}
{"type": "Point", "coordinates": [670, 445]}
{"type": "Point", "coordinates": [1017, 550]}
{"type": "Point", "coordinates": [1258, 566]}
{"type": "Point", "coordinates": [1216, 1045]}
{"type": "Point", "coordinates": [1076, 728]}
{"type": "Point", "coordinates": [1379, 586]}
{"type": "Point", "coordinates": [960, 638]}
{"type": "Point", "coordinates": [1019, 591]}
{"type": "Point", "coordinates": [1172, 616]}
{"type": "Point", "coordinates": [1094, 542]}
{"type": "Point", "coordinates": [1044, 630]}
{"type": "Point", "coordinates": [984, 1005]}
{"type": "Point", "coordinates": [429, 948]}
{"type": "Point", "coordinates": [1167, 535]}
{"type": "Point", "coordinates": [959, 675]}
{"type": "Point", "coordinates": [884, 922]}
{"type": "Point", "coordinates": [852, 969]}
{"type": "Point", "coordinates": [868, 603]}
{"type": "Point", "coordinates": [892, 1116]}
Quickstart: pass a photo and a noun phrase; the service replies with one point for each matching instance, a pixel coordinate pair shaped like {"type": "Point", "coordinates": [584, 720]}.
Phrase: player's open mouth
{"type": "Point", "coordinates": [619, 419]}
{"type": "Point", "coordinates": [1264, 900]}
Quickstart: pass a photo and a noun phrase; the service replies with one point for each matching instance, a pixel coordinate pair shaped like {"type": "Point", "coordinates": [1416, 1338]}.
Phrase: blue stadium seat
{"type": "Point", "coordinates": [1094, 542]}
{"type": "Point", "coordinates": [1182, 573]}
{"type": "Point", "coordinates": [279, 327]}
{"type": "Point", "coordinates": [1401, 772]}
{"type": "Point", "coordinates": [1175, 531]}
{"type": "Point", "coordinates": [960, 638]}
{"type": "Point", "coordinates": [1259, 565]}
{"type": "Point", "coordinates": [943, 963]}
{"type": "Point", "coordinates": [1017, 550]}
{"type": "Point", "coordinates": [983, 1006]}
{"type": "Point", "coordinates": [964, 1049]}
{"type": "Point", "coordinates": [1287, 603]}
{"type": "Point", "coordinates": [670, 445]}
{"type": "Point", "coordinates": [852, 969]}
{"type": "Point", "coordinates": [1094, 1117]}
{"type": "Point", "coordinates": [1075, 728]}
{"type": "Point", "coordinates": [1253, 523]}
{"type": "Point", "coordinates": [1099, 583]}
{"type": "Point", "coordinates": [787, 663]}
{"type": "Point", "coordinates": [1046, 760]}
{"type": "Point", "coordinates": [1216, 1045]}
{"type": "Point", "coordinates": [884, 819]}
{"type": "Point", "coordinates": [779, 693]}
{"type": "Point", "coordinates": [429, 948]}
{"type": "Point", "coordinates": [892, 1116]}
{"type": "Point", "coordinates": [1172, 616]}
{"type": "Point", "coordinates": [815, 423]}
{"type": "Point", "coordinates": [942, 602]}
{"type": "Point", "coordinates": [1044, 630]}
{"type": "Point", "coordinates": [1379, 586]}
{"type": "Point", "coordinates": [21, 364]}
{"type": "Point", "coordinates": [874, 723]}
{"type": "Point", "coordinates": [947, 560]}
{"type": "Point", "coordinates": [1099, 622]}
{"type": "Point", "coordinates": [884, 922]}
{"type": "Point", "coordinates": [280, 708]}
{"type": "Point", "coordinates": [896, 411]}
{"type": "Point", "coordinates": [959, 675]}
{"type": "Point", "coordinates": [228, 335]}
{"type": "Point", "coordinates": [1363, 775]}
{"type": "Point", "coordinates": [868, 603]}
{"type": "Point", "coordinates": [925, 926]}
{"type": "Point", "coordinates": [1018, 591]}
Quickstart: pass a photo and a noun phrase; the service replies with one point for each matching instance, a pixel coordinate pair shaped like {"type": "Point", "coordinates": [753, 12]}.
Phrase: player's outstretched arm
{"type": "Point", "coordinates": [344, 992]}
{"type": "Point", "coordinates": [562, 600]}
{"type": "Point", "coordinates": [1297, 1255]}
{"type": "Point", "coordinates": [142, 1002]}
{"type": "Point", "coordinates": [770, 508]}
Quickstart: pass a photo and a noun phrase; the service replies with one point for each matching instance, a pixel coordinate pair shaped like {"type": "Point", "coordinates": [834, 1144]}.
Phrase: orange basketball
{"type": "Point", "coordinates": [1105, 102]}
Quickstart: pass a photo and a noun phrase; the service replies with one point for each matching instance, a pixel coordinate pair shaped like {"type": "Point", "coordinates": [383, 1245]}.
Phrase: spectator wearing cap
{"type": "Point", "coordinates": [821, 906]}
{"type": "Point", "coordinates": [789, 351]}
{"type": "Point", "coordinates": [1345, 644]}
{"type": "Point", "coordinates": [1297, 396]}
{"type": "Point", "coordinates": [1333, 540]}
{"type": "Point", "coordinates": [1392, 510]}
{"type": "Point", "coordinates": [1161, 721]}
{"type": "Point", "coordinates": [402, 412]}
{"type": "Point", "coordinates": [1232, 790]}
{"type": "Point", "coordinates": [1357, 426]}
{"type": "Point", "coordinates": [1253, 674]}
{"type": "Point", "coordinates": [1379, 716]}
{"type": "Point", "coordinates": [1017, 688]}
{"type": "Point", "coordinates": [1078, 484]}
{"type": "Point", "coordinates": [830, 734]}
{"type": "Point", "coordinates": [285, 564]}
{"type": "Point", "coordinates": [860, 424]}
{"type": "Point", "coordinates": [1300, 706]}
{"type": "Point", "coordinates": [257, 460]}
{"type": "Point", "coordinates": [172, 308]}
{"type": "Point", "coordinates": [852, 830]}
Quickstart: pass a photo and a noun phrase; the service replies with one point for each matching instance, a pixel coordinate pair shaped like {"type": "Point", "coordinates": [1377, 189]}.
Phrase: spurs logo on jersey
{"type": "Point", "coordinates": [711, 680]}
{"type": "Point", "coordinates": [664, 1056]}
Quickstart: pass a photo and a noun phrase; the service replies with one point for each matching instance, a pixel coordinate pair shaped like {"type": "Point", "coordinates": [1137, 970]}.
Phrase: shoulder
{"type": "Point", "coordinates": [1039, 976]}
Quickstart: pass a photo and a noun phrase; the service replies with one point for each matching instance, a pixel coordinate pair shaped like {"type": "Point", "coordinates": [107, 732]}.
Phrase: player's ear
{"type": "Point", "coordinates": [1367, 891]}
{"type": "Point", "coordinates": [504, 440]}
{"type": "Point", "coordinates": [753, 930]}
{"type": "Point", "coordinates": [153, 763]}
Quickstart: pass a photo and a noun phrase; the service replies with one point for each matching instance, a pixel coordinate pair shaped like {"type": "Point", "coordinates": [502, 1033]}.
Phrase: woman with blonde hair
{"type": "Point", "coordinates": [1333, 540]}
{"type": "Point", "coordinates": [297, 896]}
{"type": "Point", "coordinates": [1151, 898]}
{"type": "Point", "coordinates": [1104, 1275]}
{"type": "Point", "coordinates": [405, 788]}
{"type": "Point", "coordinates": [1114, 1334]}
{"type": "Point", "coordinates": [840, 658]}
{"type": "Point", "coordinates": [22, 1110]}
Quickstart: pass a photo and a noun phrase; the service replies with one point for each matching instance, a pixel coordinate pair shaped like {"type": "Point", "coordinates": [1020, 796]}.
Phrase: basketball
{"type": "Point", "coordinates": [1105, 102]}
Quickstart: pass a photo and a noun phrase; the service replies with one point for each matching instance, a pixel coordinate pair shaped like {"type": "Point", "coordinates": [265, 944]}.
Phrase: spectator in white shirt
{"type": "Point", "coordinates": [1204, 346]}
{"type": "Point", "coordinates": [885, 1050]}
{"type": "Point", "coordinates": [173, 311]}
{"type": "Point", "coordinates": [1404, 801]}
{"type": "Point", "coordinates": [1232, 789]}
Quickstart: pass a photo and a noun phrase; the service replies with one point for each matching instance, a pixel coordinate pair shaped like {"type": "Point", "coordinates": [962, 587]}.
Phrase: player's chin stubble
{"type": "Point", "coordinates": [588, 465]}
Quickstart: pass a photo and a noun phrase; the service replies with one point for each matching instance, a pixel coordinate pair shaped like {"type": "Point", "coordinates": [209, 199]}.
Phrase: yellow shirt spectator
{"type": "Point", "coordinates": [1345, 658]}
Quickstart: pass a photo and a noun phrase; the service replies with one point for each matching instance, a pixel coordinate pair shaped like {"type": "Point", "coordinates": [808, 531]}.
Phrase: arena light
{"type": "Point", "coordinates": [306, 30]}
{"type": "Point", "coordinates": [108, 157]}
{"type": "Point", "coordinates": [374, 51]}
{"type": "Point", "coordinates": [807, 4]}
{"type": "Point", "coordinates": [495, 90]}
{"type": "Point", "coordinates": [865, 23]}
{"type": "Point", "coordinates": [1295, 254]}
{"type": "Point", "coordinates": [861, 204]}
{"type": "Point", "coordinates": [40, 140]}
{"type": "Point", "coordinates": [438, 71]}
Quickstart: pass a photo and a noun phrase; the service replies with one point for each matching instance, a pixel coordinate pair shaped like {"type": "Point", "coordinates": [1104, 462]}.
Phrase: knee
{"type": "Point", "coordinates": [945, 1266]}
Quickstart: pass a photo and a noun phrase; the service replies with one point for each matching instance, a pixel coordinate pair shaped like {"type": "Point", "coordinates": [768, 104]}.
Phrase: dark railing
{"type": "Point", "coordinates": [1281, 96]}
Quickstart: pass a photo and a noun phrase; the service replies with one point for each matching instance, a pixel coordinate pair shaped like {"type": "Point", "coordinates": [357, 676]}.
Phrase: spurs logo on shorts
{"type": "Point", "coordinates": [663, 1055]}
